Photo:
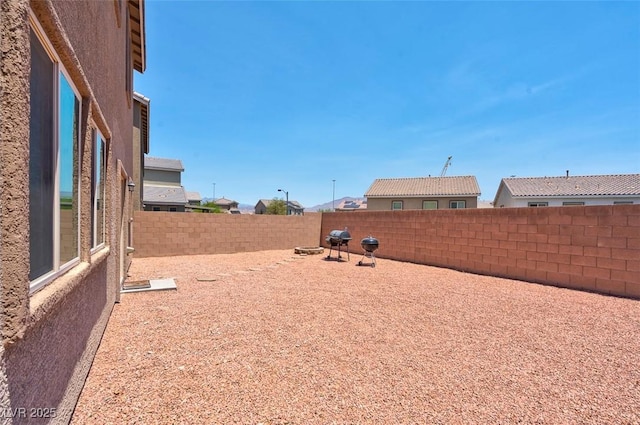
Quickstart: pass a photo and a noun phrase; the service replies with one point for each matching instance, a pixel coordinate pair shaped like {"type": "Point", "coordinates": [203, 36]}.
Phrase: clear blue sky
{"type": "Point", "coordinates": [257, 96]}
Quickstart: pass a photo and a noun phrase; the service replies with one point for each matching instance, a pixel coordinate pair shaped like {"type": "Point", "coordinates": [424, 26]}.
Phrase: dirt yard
{"type": "Point", "coordinates": [276, 338]}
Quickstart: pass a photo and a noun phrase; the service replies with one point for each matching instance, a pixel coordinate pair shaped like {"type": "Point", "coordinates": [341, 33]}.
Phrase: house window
{"type": "Point", "coordinates": [173, 209]}
{"type": "Point", "coordinates": [538, 204]}
{"type": "Point", "coordinates": [155, 209]}
{"type": "Point", "coordinates": [622, 202]}
{"type": "Point", "coordinates": [572, 203]}
{"type": "Point", "coordinates": [98, 190]}
{"type": "Point", "coordinates": [429, 205]}
{"type": "Point", "coordinates": [457, 204]}
{"type": "Point", "coordinates": [396, 205]}
{"type": "Point", "coordinates": [54, 167]}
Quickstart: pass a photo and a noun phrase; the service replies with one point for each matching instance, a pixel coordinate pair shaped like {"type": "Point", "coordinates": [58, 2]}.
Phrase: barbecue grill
{"type": "Point", "coordinates": [369, 245]}
{"type": "Point", "coordinates": [338, 238]}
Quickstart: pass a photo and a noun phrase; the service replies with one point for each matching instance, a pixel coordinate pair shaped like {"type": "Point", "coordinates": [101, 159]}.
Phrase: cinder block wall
{"type": "Point", "coordinates": [594, 248]}
{"type": "Point", "coordinates": [161, 234]}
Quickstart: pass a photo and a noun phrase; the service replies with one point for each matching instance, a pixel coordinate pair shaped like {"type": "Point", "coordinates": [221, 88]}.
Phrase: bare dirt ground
{"type": "Point", "coordinates": [275, 338]}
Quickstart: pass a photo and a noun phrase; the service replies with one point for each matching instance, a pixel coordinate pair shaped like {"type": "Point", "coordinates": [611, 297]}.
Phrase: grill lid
{"type": "Point", "coordinates": [342, 235]}
{"type": "Point", "coordinates": [369, 244]}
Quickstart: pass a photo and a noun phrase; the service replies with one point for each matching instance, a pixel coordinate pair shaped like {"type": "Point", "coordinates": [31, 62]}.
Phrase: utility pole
{"type": "Point", "coordinates": [333, 200]}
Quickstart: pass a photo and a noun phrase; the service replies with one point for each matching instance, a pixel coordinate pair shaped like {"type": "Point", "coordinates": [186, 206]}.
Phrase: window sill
{"type": "Point", "coordinates": [44, 300]}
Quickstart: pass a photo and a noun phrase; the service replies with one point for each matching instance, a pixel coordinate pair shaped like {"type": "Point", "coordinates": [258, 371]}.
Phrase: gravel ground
{"type": "Point", "coordinates": [276, 338]}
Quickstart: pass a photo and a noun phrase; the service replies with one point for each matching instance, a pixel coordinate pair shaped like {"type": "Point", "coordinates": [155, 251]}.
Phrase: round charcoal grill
{"type": "Point", "coordinates": [369, 245]}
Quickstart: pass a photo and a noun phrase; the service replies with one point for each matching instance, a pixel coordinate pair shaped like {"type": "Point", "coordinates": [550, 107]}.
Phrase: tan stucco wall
{"type": "Point", "coordinates": [384, 204]}
{"type": "Point", "coordinates": [50, 337]}
{"type": "Point", "coordinates": [14, 176]}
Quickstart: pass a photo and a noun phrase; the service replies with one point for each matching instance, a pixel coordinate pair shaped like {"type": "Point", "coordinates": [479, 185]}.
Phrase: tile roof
{"type": "Point", "coordinates": [292, 204]}
{"type": "Point", "coordinates": [225, 201]}
{"type": "Point", "coordinates": [156, 194]}
{"type": "Point", "coordinates": [295, 205]}
{"type": "Point", "coordinates": [153, 163]}
{"type": "Point", "coordinates": [615, 184]}
{"type": "Point", "coordinates": [424, 186]}
{"type": "Point", "coordinates": [193, 196]}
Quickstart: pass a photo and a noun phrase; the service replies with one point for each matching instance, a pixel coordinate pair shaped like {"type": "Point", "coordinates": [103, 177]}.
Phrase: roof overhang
{"type": "Point", "coordinates": [138, 42]}
{"type": "Point", "coordinates": [144, 119]}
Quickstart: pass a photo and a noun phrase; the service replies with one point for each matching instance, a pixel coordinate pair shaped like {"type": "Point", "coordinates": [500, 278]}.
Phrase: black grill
{"type": "Point", "coordinates": [338, 238]}
{"type": "Point", "coordinates": [369, 245]}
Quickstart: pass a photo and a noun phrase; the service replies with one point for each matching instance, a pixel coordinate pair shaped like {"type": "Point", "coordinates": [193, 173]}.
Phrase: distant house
{"type": "Point", "coordinates": [194, 198]}
{"type": "Point", "coordinates": [568, 190]}
{"type": "Point", "coordinates": [228, 205]}
{"type": "Point", "coordinates": [423, 193]}
{"type": "Point", "coordinates": [162, 185]}
{"type": "Point", "coordinates": [294, 207]}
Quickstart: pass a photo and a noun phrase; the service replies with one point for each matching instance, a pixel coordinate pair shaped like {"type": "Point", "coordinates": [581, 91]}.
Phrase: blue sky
{"type": "Point", "coordinates": [257, 96]}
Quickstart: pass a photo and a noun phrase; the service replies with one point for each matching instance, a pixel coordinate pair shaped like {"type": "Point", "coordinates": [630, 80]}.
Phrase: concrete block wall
{"type": "Point", "coordinates": [594, 248]}
{"type": "Point", "coordinates": [161, 234]}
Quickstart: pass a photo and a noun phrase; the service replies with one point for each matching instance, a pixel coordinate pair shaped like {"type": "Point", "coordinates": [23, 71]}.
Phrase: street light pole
{"type": "Point", "coordinates": [286, 207]}
{"type": "Point", "coordinates": [214, 192]}
{"type": "Point", "coordinates": [333, 200]}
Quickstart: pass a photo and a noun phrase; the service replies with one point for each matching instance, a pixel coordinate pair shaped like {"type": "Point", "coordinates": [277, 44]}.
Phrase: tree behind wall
{"type": "Point", "coordinates": [276, 207]}
{"type": "Point", "coordinates": [214, 208]}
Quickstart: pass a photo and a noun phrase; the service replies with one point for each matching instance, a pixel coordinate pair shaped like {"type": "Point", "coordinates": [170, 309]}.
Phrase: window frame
{"type": "Point", "coordinates": [429, 200]}
{"type": "Point", "coordinates": [393, 205]}
{"type": "Point", "coordinates": [59, 71]}
{"type": "Point", "coordinates": [457, 202]}
{"type": "Point", "coordinates": [534, 204]}
{"type": "Point", "coordinates": [99, 146]}
{"type": "Point", "coordinates": [572, 203]}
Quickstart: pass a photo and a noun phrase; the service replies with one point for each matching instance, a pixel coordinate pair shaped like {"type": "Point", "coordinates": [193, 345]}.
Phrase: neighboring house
{"type": "Point", "coordinates": [163, 190]}
{"type": "Point", "coordinates": [294, 207]}
{"type": "Point", "coordinates": [66, 161]}
{"type": "Point", "coordinates": [194, 198]}
{"type": "Point", "coordinates": [141, 117]}
{"type": "Point", "coordinates": [423, 193]}
{"type": "Point", "coordinates": [568, 190]}
{"type": "Point", "coordinates": [261, 206]}
{"type": "Point", "coordinates": [164, 198]}
{"type": "Point", "coordinates": [352, 205]}
{"type": "Point", "coordinates": [227, 205]}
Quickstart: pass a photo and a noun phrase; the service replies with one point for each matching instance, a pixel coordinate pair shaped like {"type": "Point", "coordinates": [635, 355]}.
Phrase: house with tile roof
{"type": "Point", "coordinates": [568, 190]}
{"type": "Point", "coordinates": [162, 189]}
{"type": "Point", "coordinates": [423, 193]}
{"type": "Point", "coordinates": [193, 198]}
{"type": "Point", "coordinates": [294, 208]}
{"type": "Point", "coordinates": [228, 205]}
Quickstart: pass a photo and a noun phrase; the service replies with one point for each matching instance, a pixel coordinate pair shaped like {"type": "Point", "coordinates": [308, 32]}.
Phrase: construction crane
{"type": "Point", "coordinates": [446, 165]}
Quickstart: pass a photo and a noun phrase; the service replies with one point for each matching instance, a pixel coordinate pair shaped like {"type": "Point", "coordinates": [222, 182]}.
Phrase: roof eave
{"type": "Point", "coordinates": [138, 39]}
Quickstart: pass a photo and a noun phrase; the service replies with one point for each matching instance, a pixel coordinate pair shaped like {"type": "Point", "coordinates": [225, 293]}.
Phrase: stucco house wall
{"type": "Point", "coordinates": [50, 334]}
{"type": "Point", "coordinates": [162, 176]}
{"type": "Point", "coordinates": [506, 201]}
{"type": "Point", "coordinates": [384, 204]}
